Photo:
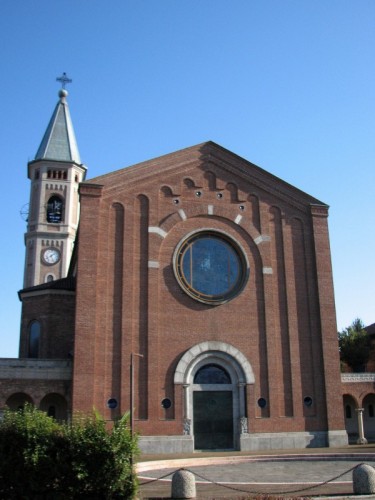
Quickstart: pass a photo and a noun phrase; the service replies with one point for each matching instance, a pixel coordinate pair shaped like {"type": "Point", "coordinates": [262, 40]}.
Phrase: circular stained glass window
{"type": "Point", "coordinates": [210, 267]}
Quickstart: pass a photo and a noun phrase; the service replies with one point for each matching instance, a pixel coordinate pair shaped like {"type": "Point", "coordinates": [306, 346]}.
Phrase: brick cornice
{"type": "Point", "coordinates": [319, 210]}
{"type": "Point", "coordinates": [88, 189]}
{"type": "Point", "coordinates": [204, 157]}
{"type": "Point", "coordinates": [27, 294]}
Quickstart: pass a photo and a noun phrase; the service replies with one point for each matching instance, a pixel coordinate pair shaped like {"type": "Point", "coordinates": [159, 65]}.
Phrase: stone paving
{"type": "Point", "coordinates": [284, 474]}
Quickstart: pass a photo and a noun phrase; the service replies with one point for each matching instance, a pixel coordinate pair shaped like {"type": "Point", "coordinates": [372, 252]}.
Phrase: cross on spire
{"type": "Point", "coordinates": [64, 80]}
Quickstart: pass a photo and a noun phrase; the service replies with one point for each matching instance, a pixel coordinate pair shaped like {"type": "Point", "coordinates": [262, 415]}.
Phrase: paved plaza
{"type": "Point", "coordinates": [301, 473]}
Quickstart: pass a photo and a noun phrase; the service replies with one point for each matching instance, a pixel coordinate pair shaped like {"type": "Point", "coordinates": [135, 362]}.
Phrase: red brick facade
{"type": "Point", "coordinates": [128, 298]}
{"type": "Point", "coordinates": [276, 338]}
{"type": "Point", "coordinates": [55, 311]}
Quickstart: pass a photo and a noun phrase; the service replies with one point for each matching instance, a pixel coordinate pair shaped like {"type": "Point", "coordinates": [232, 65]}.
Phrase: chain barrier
{"type": "Point", "coordinates": [253, 492]}
{"type": "Point", "coordinates": [149, 481]}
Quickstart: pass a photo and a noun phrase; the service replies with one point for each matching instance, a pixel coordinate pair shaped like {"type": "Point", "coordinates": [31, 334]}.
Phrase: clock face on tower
{"type": "Point", "coordinates": [51, 256]}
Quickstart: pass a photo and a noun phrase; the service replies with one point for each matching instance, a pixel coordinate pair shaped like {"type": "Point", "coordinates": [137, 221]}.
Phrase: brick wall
{"type": "Point", "coordinates": [128, 299]}
{"type": "Point", "coordinates": [55, 310]}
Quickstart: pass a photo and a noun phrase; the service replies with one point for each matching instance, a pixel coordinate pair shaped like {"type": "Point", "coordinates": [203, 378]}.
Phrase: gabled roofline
{"type": "Point", "coordinates": [208, 152]}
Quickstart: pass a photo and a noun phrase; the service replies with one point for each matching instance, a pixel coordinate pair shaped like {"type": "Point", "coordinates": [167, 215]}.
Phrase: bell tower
{"type": "Point", "coordinates": [55, 174]}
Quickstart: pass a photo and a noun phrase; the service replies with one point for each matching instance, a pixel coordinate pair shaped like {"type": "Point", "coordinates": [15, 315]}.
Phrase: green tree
{"type": "Point", "coordinates": [40, 458]}
{"type": "Point", "coordinates": [355, 344]}
{"type": "Point", "coordinates": [27, 442]}
{"type": "Point", "coordinates": [98, 463]}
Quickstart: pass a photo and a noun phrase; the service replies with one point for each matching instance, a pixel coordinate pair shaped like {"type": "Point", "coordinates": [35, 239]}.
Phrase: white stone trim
{"type": "Point", "coordinates": [153, 264]}
{"type": "Point", "coordinates": [262, 238]}
{"type": "Point", "coordinates": [357, 377]}
{"type": "Point", "coordinates": [191, 356]}
{"type": "Point", "coordinates": [210, 209]}
{"type": "Point", "coordinates": [267, 270]}
{"type": "Point", "coordinates": [238, 219]}
{"type": "Point", "coordinates": [157, 230]}
{"type": "Point", "coordinates": [182, 214]}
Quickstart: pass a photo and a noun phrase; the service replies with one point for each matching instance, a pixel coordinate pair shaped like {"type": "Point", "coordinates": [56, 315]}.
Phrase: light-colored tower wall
{"type": "Point", "coordinates": [55, 174]}
{"type": "Point", "coordinates": [51, 179]}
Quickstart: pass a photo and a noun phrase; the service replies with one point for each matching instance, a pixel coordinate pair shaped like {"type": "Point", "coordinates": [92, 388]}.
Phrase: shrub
{"type": "Point", "coordinates": [40, 458]}
{"type": "Point", "coordinates": [98, 463]}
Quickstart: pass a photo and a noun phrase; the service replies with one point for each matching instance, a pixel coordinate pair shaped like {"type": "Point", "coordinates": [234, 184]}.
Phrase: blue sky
{"type": "Point", "coordinates": [287, 84]}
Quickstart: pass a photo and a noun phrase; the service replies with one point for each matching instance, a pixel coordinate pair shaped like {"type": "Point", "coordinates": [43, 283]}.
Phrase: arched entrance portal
{"type": "Point", "coordinates": [214, 376]}
{"type": "Point", "coordinates": [213, 416]}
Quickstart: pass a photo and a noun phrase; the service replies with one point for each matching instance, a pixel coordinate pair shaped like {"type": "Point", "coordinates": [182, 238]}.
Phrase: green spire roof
{"type": "Point", "coordinates": [59, 142]}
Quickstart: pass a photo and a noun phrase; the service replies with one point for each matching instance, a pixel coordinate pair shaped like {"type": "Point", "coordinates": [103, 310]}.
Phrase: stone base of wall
{"type": "Point", "coordinates": [337, 439]}
{"type": "Point", "coordinates": [292, 440]}
{"type": "Point", "coordinates": [248, 442]}
{"type": "Point", "coordinates": [165, 444]}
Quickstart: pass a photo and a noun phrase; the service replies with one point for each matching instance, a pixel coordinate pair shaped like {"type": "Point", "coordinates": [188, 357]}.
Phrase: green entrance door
{"type": "Point", "coordinates": [213, 420]}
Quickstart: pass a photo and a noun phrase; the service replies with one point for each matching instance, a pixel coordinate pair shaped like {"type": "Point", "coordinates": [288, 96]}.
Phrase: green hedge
{"type": "Point", "coordinates": [42, 459]}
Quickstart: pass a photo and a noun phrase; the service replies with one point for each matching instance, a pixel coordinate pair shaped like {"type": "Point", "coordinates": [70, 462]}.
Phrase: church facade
{"type": "Point", "coordinates": [195, 288]}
